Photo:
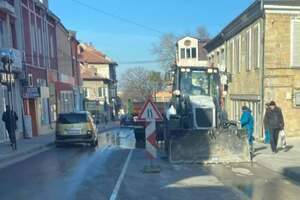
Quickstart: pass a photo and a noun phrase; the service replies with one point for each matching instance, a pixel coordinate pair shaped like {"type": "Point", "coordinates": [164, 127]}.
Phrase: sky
{"type": "Point", "coordinates": [131, 28]}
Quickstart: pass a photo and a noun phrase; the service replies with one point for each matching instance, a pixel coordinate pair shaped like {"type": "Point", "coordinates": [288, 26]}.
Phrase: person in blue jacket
{"type": "Point", "coordinates": [247, 123]}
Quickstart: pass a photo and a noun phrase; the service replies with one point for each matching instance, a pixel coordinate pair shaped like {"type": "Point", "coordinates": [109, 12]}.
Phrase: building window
{"type": "Point", "coordinates": [1, 33]}
{"type": "Point", "coordinates": [182, 53]}
{"type": "Point", "coordinates": [194, 53]}
{"type": "Point", "coordinates": [13, 35]}
{"type": "Point", "coordinates": [295, 55]}
{"type": "Point", "coordinates": [222, 57]}
{"type": "Point", "coordinates": [297, 98]}
{"type": "Point", "coordinates": [237, 55]}
{"type": "Point", "coordinates": [230, 57]}
{"type": "Point", "coordinates": [254, 47]}
{"type": "Point", "coordinates": [188, 53]}
{"type": "Point", "coordinates": [247, 51]}
{"type": "Point", "coordinates": [86, 92]}
{"type": "Point", "coordinates": [100, 92]}
{"type": "Point", "coordinates": [32, 36]}
{"type": "Point", "coordinates": [30, 80]}
{"type": "Point", "coordinates": [45, 113]}
{"type": "Point", "coordinates": [51, 47]}
{"type": "Point", "coordinates": [39, 40]}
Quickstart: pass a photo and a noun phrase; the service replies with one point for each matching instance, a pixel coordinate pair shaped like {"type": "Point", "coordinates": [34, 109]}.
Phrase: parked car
{"type": "Point", "coordinates": [76, 127]}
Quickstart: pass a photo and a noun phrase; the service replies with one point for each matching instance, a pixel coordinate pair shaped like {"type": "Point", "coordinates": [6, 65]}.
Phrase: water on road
{"type": "Point", "coordinates": [113, 170]}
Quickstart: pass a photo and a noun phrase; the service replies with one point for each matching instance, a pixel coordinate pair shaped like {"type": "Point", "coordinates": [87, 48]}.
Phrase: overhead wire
{"type": "Point", "coordinates": [65, 58]}
{"type": "Point", "coordinates": [120, 18]}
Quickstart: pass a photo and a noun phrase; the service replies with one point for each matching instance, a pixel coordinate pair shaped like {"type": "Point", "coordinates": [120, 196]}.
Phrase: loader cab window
{"type": "Point", "coordinates": [198, 82]}
{"type": "Point", "coordinates": [194, 83]}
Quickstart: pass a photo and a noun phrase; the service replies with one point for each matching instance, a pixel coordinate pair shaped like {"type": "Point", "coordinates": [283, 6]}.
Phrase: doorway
{"type": "Point", "coordinates": [32, 111]}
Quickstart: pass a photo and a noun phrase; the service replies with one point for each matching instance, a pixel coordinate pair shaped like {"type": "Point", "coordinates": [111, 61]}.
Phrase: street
{"type": "Point", "coordinates": [114, 171]}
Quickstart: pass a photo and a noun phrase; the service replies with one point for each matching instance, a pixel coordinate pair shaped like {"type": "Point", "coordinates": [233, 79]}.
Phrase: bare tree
{"type": "Point", "coordinates": [139, 83]}
{"type": "Point", "coordinates": [202, 33]}
{"type": "Point", "coordinates": [165, 50]}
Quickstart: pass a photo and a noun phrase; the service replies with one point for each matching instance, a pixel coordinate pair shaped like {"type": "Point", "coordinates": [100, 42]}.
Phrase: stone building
{"type": "Point", "coordinates": [260, 52]}
{"type": "Point", "coordinates": [98, 73]}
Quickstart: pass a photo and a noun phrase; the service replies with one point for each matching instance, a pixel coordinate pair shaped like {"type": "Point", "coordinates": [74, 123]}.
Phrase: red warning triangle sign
{"type": "Point", "coordinates": [150, 112]}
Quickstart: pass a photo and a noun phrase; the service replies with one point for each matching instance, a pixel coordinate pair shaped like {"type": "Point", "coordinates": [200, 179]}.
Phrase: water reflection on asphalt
{"type": "Point", "coordinates": [123, 138]}
{"type": "Point", "coordinates": [256, 182]}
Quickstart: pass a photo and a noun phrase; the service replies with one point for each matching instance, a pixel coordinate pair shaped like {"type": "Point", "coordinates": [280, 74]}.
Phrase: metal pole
{"type": "Point", "coordinates": [12, 117]}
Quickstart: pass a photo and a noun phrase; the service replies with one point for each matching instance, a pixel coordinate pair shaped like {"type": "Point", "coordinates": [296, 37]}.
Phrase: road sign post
{"type": "Point", "coordinates": [150, 114]}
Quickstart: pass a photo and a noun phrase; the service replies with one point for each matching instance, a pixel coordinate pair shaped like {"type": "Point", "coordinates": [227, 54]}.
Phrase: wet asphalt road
{"type": "Point", "coordinates": [81, 172]}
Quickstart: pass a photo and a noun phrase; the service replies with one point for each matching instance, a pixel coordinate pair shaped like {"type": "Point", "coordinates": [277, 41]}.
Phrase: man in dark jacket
{"type": "Point", "coordinates": [275, 122]}
{"type": "Point", "coordinates": [10, 119]}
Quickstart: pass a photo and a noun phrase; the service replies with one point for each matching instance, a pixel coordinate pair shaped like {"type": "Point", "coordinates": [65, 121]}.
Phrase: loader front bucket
{"type": "Point", "coordinates": [213, 146]}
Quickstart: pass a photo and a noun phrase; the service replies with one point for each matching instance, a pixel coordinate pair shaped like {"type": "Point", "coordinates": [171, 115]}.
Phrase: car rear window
{"type": "Point", "coordinates": [73, 118]}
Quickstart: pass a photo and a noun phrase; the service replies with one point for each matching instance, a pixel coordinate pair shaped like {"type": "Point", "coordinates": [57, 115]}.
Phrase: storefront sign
{"type": "Point", "coordinates": [31, 92]}
{"type": "Point", "coordinates": [5, 78]}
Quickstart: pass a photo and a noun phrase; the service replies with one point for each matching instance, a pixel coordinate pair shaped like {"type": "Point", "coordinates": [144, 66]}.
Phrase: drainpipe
{"type": "Point", "coordinates": [262, 67]}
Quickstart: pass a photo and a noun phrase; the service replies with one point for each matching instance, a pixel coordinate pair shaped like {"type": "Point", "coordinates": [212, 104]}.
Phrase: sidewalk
{"type": "Point", "coordinates": [285, 162]}
{"type": "Point", "coordinates": [25, 147]}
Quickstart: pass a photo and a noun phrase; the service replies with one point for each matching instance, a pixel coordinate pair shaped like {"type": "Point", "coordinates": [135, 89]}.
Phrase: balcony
{"type": "Point", "coordinates": [7, 7]}
{"type": "Point", "coordinates": [16, 57]}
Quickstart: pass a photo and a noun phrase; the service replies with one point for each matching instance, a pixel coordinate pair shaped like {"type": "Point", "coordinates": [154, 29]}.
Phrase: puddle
{"type": "Point", "coordinates": [123, 138]}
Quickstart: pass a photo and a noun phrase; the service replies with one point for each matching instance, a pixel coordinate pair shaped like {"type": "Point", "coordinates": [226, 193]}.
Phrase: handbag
{"type": "Point", "coordinates": [282, 138]}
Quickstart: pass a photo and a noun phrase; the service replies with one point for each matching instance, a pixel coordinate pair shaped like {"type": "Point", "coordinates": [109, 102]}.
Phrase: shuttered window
{"type": "Point", "coordinates": [295, 43]}
{"type": "Point", "coordinates": [254, 47]}
{"type": "Point", "coordinates": [237, 55]}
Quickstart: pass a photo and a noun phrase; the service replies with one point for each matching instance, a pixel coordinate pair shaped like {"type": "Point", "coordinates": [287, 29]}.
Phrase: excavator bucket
{"type": "Point", "coordinates": [208, 147]}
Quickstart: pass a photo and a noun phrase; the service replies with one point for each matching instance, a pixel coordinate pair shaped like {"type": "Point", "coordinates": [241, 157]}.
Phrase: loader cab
{"type": "Point", "coordinates": [197, 93]}
{"type": "Point", "coordinates": [196, 81]}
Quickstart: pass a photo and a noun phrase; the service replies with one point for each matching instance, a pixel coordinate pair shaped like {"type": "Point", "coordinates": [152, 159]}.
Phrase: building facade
{"type": "Point", "coordinates": [11, 44]}
{"type": "Point", "coordinates": [78, 92]}
{"type": "Point", "coordinates": [260, 53]}
{"type": "Point", "coordinates": [40, 59]}
{"type": "Point", "coordinates": [98, 73]}
{"type": "Point", "coordinates": [190, 52]}
{"type": "Point", "coordinates": [65, 86]}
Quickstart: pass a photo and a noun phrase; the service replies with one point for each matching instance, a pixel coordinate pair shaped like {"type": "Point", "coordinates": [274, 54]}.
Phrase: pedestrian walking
{"type": "Point", "coordinates": [247, 123]}
{"type": "Point", "coordinates": [266, 125]}
{"type": "Point", "coordinates": [10, 118]}
{"type": "Point", "coordinates": [275, 123]}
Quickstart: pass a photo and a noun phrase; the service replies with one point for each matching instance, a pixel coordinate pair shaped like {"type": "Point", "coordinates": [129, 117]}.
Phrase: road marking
{"type": "Point", "coordinates": [121, 177]}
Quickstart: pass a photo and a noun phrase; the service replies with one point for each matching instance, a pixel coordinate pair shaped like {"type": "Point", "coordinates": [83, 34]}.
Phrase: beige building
{"type": "Point", "coordinates": [98, 73]}
{"type": "Point", "coordinates": [190, 52]}
{"type": "Point", "coordinates": [260, 52]}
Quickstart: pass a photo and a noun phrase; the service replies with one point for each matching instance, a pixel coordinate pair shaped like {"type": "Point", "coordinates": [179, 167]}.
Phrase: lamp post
{"type": "Point", "coordinates": [8, 81]}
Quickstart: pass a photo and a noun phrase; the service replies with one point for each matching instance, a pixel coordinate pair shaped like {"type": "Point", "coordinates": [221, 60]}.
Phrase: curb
{"type": "Point", "coordinates": [27, 152]}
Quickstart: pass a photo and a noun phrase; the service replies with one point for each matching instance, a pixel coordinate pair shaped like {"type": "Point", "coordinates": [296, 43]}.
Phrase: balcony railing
{"type": "Point", "coordinates": [7, 6]}
{"type": "Point", "coordinates": [16, 57]}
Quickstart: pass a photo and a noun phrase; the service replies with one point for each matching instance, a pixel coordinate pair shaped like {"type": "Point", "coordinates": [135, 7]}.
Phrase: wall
{"type": "Point", "coordinates": [93, 88]}
{"type": "Point", "coordinates": [64, 56]}
{"type": "Point", "coordinates": [102, 70]}
{"type": "Point", "coordinates": [193, 43]}
{"type": "Point", "coordinates": [281, 79]}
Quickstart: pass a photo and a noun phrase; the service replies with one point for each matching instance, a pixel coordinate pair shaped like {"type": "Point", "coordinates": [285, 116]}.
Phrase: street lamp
{"type": "Point", "coordinates": [8, 79]}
